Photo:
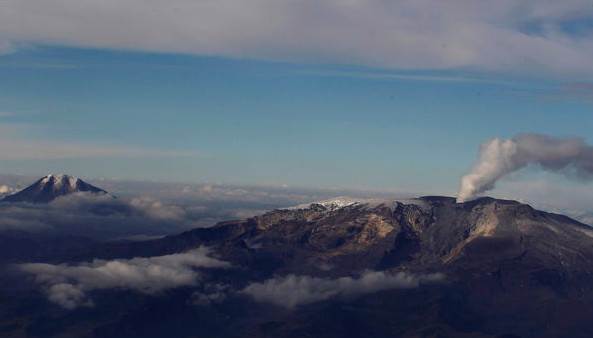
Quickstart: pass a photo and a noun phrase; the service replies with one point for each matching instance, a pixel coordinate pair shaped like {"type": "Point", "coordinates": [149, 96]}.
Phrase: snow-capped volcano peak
{"type": "Point", "coordinates": [61, 180]}
{"type": "Point", "coordinates": [51, 187]}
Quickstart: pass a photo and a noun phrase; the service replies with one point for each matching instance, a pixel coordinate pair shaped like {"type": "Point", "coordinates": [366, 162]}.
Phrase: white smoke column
{"type": "Point", "coordinates": [499, 157]}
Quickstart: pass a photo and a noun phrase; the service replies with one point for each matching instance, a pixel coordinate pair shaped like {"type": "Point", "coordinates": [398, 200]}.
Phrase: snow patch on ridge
{"type": "Point", "coordinates": [345, 201]}
{"type": "Point", "coordinates": [60, 180]}
{"type": "Point", "coordinates": [332, 204]}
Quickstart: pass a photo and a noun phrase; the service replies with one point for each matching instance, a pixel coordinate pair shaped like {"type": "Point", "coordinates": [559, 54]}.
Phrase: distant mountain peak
{"type": "Point", "coordinates": [60, 180]}
{"type": "Point", "coordinates": [52, 186]}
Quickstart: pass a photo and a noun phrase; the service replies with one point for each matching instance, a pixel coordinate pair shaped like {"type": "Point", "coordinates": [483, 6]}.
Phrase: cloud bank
{"type": "Point", "coordinates": [499, 158]}
{"type": "Point", "coordinates": [148, 209]}
{"type": "Point", "coordinates": [100, 216]}
{"type": "Point", "coordinates": [534, 35]}
{"type": "Point", "coordinates": [68, 285]}
{"type": "Point", "coordinates": [292, 290]}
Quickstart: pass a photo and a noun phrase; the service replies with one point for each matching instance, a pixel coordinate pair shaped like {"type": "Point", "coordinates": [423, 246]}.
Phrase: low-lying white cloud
{"type": "Point", "coordinates": [5, 190]}
{"type": "Point", "coordinates": [157, 210]}
{"type": "Point", "coordinates": [421, 34]}
{"type": "Point", "coordinates": [212, 294]}
{"type": "Point", "coordinates": [102, 215]}
{"type": "Point", "coordinates": [68, 285]}
{"type": "Point", "coordinates": [291, 291]}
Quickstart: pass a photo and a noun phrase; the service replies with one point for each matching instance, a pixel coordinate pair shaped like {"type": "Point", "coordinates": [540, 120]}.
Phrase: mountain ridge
{"type": "Point", "coordinates": [507, 268]}
{"type": "Point", "coordinates": [50, 187]}
{"type": "Point", "coordinates": [439, 216]}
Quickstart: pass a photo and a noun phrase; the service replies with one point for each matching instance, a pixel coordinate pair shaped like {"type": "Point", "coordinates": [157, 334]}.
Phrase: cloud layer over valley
{"type": "Point", "coordinates": [99, 216]}
{"type": "Point", "coordinates": [291, 291]}
{"type": "Point", "coordinates": [144, 209]}
{"type": "Point", "coordinates": [68, 285]}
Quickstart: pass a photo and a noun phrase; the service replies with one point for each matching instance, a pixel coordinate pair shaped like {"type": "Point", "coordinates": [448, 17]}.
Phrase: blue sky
{"type": "Point", "coordinates": [167, 100]}
{"type": "Point", "coordinates": [267, 122]}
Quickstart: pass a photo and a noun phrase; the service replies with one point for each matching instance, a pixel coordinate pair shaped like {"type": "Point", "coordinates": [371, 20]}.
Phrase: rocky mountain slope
{"type": "Point", "coordinates": [508, 271]}
{"type": "Point", "coordinates": [428, 232]}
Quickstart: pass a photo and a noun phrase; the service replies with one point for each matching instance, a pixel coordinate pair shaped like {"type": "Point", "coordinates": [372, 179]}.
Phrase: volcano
{"type": "Point", "coordinates": [320, 269]}
{"type": "Point", "coordinates": [50, 187]}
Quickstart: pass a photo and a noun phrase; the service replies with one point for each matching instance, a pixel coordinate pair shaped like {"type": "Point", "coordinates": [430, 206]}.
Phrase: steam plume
{"type": "Point", "coordinates": [500, 157]}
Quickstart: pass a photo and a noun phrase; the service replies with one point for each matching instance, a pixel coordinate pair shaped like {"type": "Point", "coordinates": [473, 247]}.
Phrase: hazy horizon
{"type": "Point", "coordinates": [380, 97]}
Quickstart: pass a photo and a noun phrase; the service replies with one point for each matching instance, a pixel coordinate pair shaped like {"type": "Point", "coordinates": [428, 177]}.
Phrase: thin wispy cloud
{"type": "Point", "coordinates": [15, 145]}
{"type": "Point", "coordinates": [43, 150]}
{"type": "Point", "coordinates": [579, 90]}
{"type": "Point", "coordinates": [6, 46]}
{"type": "Point", "coordinates": [423, 34]}
{"type": "Point", "coordinates": [401, 76]}
{"type": "Point", "coordinates": [39, 65]}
